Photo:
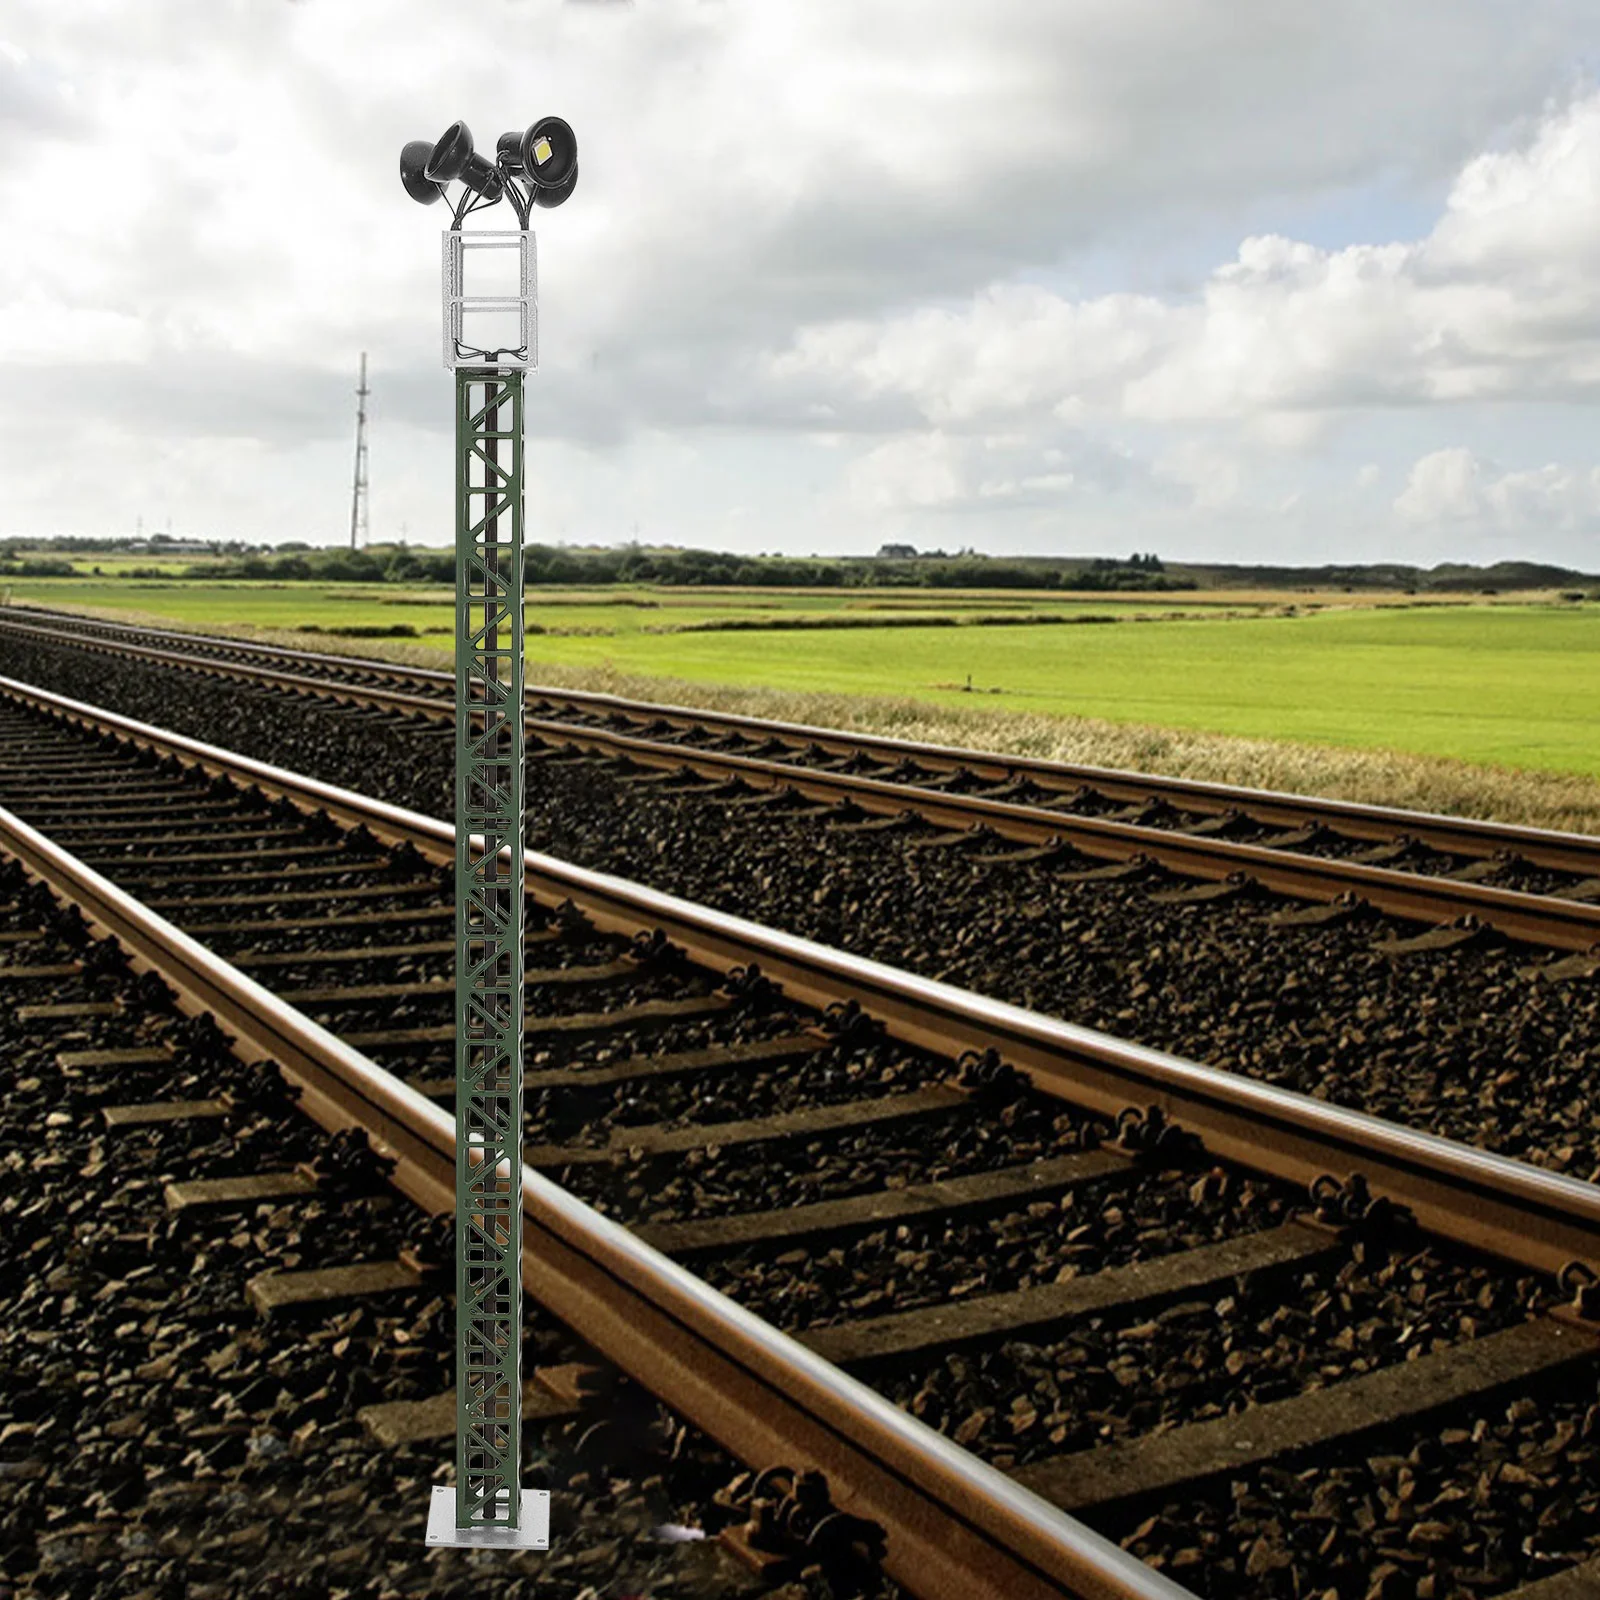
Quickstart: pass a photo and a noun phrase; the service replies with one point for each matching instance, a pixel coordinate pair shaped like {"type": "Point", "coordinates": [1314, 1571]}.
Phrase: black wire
{"type": "Point", "coordinates": [521, 203]}
{"type": "Point", "coordinates": [463, 349]}
{"type": "Point", "coordinates": [471, 201]}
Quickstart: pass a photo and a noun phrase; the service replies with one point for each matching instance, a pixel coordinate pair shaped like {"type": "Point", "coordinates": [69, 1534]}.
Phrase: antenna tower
{"type": "Point", "coordinates": [358, 491]}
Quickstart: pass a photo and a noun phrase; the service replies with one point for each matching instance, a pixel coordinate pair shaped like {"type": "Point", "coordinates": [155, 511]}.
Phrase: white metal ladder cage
{"type": "Point", "coordinates": [491, 329]}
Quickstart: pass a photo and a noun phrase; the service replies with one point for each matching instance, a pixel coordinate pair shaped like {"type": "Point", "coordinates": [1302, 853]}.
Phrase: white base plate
{"type": "Point", "coordinates": [534, 1534]}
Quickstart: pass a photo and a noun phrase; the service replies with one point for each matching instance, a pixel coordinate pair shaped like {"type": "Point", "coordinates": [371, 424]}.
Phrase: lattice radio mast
{"type": "Point", "coordinates": [358, 491]}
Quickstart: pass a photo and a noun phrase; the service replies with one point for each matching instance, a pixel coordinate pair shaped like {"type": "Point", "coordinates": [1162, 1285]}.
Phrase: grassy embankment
{"type": "Point", "coordinates": [1481, 709]}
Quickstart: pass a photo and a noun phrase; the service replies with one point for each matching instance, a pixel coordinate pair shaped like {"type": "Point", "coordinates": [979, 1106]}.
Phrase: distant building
{"type": "Point", "coordinates": [897, 552]}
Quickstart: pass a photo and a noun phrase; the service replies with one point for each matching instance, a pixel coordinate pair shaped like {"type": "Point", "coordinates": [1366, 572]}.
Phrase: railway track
{"type": "Point", "coordinates": [1455, 1029]}
{"type": "Point", "coordinates": [1529, 884]}
{"type": "Point", "coordinates": [1187, 1308]}
{"type": "Point", "coordinates": [159, 1434]}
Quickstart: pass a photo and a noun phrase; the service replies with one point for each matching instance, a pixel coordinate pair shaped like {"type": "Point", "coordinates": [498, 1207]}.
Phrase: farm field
{"type": "Point", "coordinates": [1505, 683]}
{"type": "Point", "coordinates": [1515, 686]}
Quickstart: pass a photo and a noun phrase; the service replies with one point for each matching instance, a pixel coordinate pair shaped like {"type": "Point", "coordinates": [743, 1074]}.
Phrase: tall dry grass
{"type": "Point", "coordinates": [1377, 777]}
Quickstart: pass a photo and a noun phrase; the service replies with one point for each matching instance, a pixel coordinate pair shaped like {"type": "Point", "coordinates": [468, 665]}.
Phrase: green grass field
{"type": "Point", "coordinates": [1509, 684]}
{"type": "Point", "coordinates": [1515, 686]}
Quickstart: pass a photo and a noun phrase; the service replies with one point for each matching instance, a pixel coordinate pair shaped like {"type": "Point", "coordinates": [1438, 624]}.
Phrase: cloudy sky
{"type": "Point", "coordinates": [1294, 280]}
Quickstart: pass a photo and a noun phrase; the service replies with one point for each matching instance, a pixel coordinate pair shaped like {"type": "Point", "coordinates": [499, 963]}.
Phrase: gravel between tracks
{"type": "Point", "coordinates": [1493, 1495]}
{"type": "Point", "coordinates": [1273, 1335]}
{"type": "Point", "coordinates": [159, 1441]}
{"type": "Point", "coordinates": [1456, 1041]}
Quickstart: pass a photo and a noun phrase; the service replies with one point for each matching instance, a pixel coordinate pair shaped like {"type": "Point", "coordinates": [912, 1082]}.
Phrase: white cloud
{"type": "Point", "coordinates": [925, 472]}
{"type": "Point", "coordinates": [1453, 486]}
{"type": "Point", "coordinates": [1444, 486]}
{"type": "Point", "coordinates": [1212, 477]}
{"type": "Point", "coordinates": [38, 331]}
{"type": "Point", "coordinates": [1500, 302]}
{"type": "Point", "coordinates": [793, 220]}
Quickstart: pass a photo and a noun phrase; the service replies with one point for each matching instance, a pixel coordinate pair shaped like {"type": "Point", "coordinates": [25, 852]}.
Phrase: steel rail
{"type": "Point", "coordinates": [1545, 847]}
{"type": "Point", "coordinates": [1551, 921]}
{"type": "Point", "coordinates": [956, 1528]}
{"type": "Point", "coordinates": [1508, 1208]}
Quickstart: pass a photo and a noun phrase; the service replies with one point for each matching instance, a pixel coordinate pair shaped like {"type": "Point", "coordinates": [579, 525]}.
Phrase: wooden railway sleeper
{"type": "Point", "coordinates": [900, 822]}
{"type": "Point", "coordinates": [350, 1165]}
{"type": "Point", "coordinates": [1481, 868]}
{"type": "Point", "coordinates": [657, 777]}
{"type": "Point", "coordinates": [1348, 904]}
{"type": "Point", "coordinates": [1020, 788]}
{"type": "Point", "coordinates": [1218, 823]}
{"type": "Point", "coordinates": [1054, 849]}
{"type": "Point", "coordinates": [708, 788]}
{"type": "Point", "coordinates": [1229, 888]}
{"type": "Point", "coordinates": [1465, 929]}
{"type": "Point", "coordinates": [784, 795]}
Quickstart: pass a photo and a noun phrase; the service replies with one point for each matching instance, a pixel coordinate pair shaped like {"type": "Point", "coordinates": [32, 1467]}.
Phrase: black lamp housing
{"type": "Point", "coordinates": [538, 167]}
{"type": "Point", "coordinates": [451, 153]}
{"type": "Point", "coordinates": [554, 196]}
{"type": "Point", "coordinates": [550, 157]}
{"type": "Point", "coordinates": [413, 172]}
{"type": "Point", "coordinates": [508, 153]}
{"type": "Point", "coordinates": [482, 176]}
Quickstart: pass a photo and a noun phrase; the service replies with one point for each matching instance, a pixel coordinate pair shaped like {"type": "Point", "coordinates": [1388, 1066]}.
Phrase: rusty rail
{"type": "Point", "coordinates": [1562, 852]}
{"type": "Point", "coordinates": [956, 1528]}
{"type": "Point", "coordinates": [1551, 921]}
{"type": "Point", "coordinates": [1508, 1208]}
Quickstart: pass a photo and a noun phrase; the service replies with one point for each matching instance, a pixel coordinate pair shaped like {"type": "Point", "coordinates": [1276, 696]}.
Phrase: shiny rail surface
{"type": "Point", "coordinates": [1567, 919]}
{"type": "Point", "coordinates": [1509, 1208]}
{"type": "Point", "coordinates": [957, 1527]}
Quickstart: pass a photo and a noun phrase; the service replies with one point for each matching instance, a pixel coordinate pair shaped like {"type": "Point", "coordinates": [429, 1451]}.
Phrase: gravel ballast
{"type": "Point", "coordinates": [1461, 1042]}
{"type": "Point", "coordinates": [161, 1441]}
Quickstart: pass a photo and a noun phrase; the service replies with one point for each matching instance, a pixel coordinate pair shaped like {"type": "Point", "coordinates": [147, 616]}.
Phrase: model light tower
{"type": "Point", "coordinates": [490, 341]}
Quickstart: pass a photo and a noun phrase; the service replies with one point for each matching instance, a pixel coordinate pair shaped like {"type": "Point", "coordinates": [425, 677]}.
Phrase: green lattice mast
{"type": "Point", "coordinates": [490, 340]}
{"type": "Point", "coordinates": [489, 880]}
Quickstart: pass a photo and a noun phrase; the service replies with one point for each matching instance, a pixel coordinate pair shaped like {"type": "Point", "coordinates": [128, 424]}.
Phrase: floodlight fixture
{"type": "Point", "coordinates": [556, 194]}
{"type": "Point", "coordinates": [414, 175]}
{"type": "Point", "coordinates": [490, 341]}
{"type": "Point", "coordinates": [537, 167]}
{"type": "Point", "coordinates": [508, 152]}
{"type": "Point", "coordinates": [483, 177]}
{"type": "Point", "coordinates": [451, 153]}
{"type": "Point", "coordinates": [550, 154]}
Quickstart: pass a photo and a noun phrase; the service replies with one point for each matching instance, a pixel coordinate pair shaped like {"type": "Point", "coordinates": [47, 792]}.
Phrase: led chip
{"type": "Point", "coordinates": [542, 151]}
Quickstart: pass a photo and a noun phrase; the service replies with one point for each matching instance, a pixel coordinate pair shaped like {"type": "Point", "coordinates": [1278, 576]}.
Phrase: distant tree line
{"type": "Point", "coordinates": [629, 564]}
{"type": "Point", "coordinates": [895, 566]}
{"type": "Point", "coordinates": [550, 564]}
